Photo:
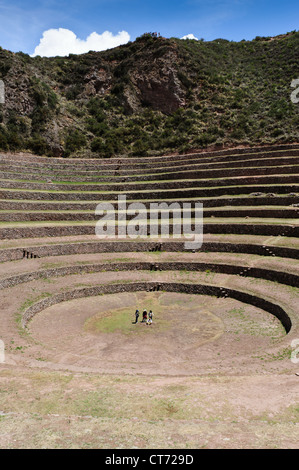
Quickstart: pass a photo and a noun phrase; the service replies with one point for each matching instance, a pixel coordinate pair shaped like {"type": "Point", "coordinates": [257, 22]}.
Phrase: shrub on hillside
{"type": "Point", "coordinates": [37, 145]}
{"type": "Point", "coordinates": [74, 141]}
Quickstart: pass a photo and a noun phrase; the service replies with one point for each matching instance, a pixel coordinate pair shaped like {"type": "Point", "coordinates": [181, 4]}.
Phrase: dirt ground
{"type": "Point", "coordinates": [187, 336]}
{"type": "Point", "coordinates": [208, 373]}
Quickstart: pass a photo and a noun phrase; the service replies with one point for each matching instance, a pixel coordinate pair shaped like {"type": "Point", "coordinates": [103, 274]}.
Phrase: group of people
{"type": "Point", "coordinates": [146, 318]}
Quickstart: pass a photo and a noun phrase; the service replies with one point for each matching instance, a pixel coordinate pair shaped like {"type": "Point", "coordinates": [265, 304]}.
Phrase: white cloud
{"type": "Point", "coordinates": [189, 36]}
{"type": "Point", "coordinates": [61, 42]}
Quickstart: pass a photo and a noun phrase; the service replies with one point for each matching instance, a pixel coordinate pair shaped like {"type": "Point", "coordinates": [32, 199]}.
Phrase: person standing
{"type": "Point", "coordinates": [136, 316]}
{"type": "Point", "coordinates": [144, 315]}
{"type": "Point", "coordinates": [150, 318]}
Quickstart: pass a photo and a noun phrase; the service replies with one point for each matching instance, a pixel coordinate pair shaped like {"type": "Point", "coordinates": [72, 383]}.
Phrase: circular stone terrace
{"type": "Point", "coordinates": [69, 298]}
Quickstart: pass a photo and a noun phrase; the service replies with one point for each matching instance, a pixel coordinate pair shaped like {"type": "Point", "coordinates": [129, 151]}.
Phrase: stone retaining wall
{"type": "Point", "coordinates": [162, 168]}
{"type": "Point", "coordinates": [145, 164]}
{"type": "Point", "coordinates": [291, 213]}
{"type": "Point", "coordinates": [258, 302]}
{"type": "Point", "coordinates": [245, 271]}
{"type": "Point", "coordinates": [13, 254]}
{"type": "Point", "coordinates": [208, 203]}
{"type": "Point", "coordinates": [21, 156]}
{"type": "Point", "coordinates": [170, 185]}
{"type": "Point", "coordinates": [180, 175]}
{"type": "Point", "coordinates": [73, 230]}
{"type": "Point", "coordinates": [153, 195]}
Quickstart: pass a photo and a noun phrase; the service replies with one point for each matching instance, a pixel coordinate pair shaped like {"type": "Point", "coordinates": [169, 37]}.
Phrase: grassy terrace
{"type": "Point", "coordinates": [231, 239]}
{"type": "Point", "coordinates": [253, 186]}
{"type": "Point", "coordinates": [280, 155]}
{"type": "Point", "coordinates": [232, 198]}
{"type": "Point", "coordinates": [170, 184]}
{"type": "Point", "coordinates": [277, 162]}
{"type": "Point", "coordinates": [94, 176]}
{"type": "Point", "coordinates": [205, 209]}
{"type": "Point", "coordinates": [137, 182]}
{"type": "Point", "coordinates": [181, 168]}
{"type": "Point", "coordinates": [212, 220]}
{"type": "Point", "coordinates": [239, 209]}
{"type": "Point", "coordinates": [154, 161]}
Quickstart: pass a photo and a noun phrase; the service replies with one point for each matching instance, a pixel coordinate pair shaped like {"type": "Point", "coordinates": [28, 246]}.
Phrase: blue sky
{"type": "Point", "coordinates": [23, 23]}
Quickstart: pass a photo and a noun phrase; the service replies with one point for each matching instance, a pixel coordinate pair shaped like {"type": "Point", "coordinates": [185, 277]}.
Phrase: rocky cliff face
{"type": "Point", "coordinates": [150, 96]}
{"type": "Point", "coordinates": [153, 82]}
{"type": "Point", "coordinates": [156, 84]}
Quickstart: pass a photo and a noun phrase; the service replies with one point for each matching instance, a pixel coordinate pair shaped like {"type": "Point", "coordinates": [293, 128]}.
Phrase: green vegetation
{"type": "Point", "coordinates": [98, 104]}
{"type": "Point", "coordinates": [122, 320]}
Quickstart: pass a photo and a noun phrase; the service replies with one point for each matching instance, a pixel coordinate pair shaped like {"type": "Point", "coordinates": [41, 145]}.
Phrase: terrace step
{"type": "Point", "coordinates": [249, 201]}
{"type": "Point", "coordinates": [166, 176]}
{"type": "Point", "coordinates": [146, 186]}
{"type": "Point", "coordinates": [201, 289]}
{"type": "Point", "coordinates": [272, 213]}
{"type": "Point", "coordinates": [128, 162]}
{"type": "Point", "coordinates": [156, 171]}
{"type": "Point", "coordinates": [178, 194]}
{"type": "Point", "coordinates": [65, 249]}
{"type": "Point", "coordinates": [231, 269]}
{"type": "Point", "coordinates": [34, 231]}
{"type": "Point", "coordinates": [202, 154]}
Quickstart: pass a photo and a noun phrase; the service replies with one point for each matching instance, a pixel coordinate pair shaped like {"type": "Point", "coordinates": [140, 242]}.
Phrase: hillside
{"type": "Point", "coordinates": [151, 97]}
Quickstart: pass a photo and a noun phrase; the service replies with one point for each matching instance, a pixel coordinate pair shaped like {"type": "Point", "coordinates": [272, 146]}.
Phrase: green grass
{"type": "Point", "coordinates": [202, 199]}
{"type": "Point", "coordinates": [117, 320]}
{"type": "Point", "coordinates": [51, 191]}
{"type": "Point", "coordinates": [205, 209]}
{"type": "Point", "coordinates": [122, 320]}
{"type": "Point", "coordinates": [213, 220]}
{"type": "Point", "coordinates": [280, 355]}
{"type": "Point", "coordinates": [32, 300]}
